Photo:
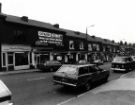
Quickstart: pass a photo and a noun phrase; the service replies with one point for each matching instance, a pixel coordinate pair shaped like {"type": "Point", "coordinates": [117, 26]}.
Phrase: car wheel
{"type": "Point", "coordinates": [51, 70]}
{"type": "Point", "coordinates": [87, 86]}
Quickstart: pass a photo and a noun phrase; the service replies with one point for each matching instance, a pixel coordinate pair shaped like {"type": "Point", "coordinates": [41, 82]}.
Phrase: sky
{"type": "Point", "coordinates": [109, 19]}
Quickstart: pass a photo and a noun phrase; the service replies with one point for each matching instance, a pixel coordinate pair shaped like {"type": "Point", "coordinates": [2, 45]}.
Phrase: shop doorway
{"type": "Point", "coordinates": [10, 61]}
{"type": "Point", "coordinates": [41, 58]}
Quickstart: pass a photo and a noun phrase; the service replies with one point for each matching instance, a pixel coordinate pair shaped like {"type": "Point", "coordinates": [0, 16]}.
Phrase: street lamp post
{"type": "Point", "coordinates": [87, 39]}
{"type": "Point", "coordinates": [87, 30]}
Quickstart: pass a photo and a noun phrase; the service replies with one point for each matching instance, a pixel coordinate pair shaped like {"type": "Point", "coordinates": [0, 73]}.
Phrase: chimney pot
{"type": "Point", "coordinates": [24, 18]}
{"type": "Point", "coordinates": [56, 25]}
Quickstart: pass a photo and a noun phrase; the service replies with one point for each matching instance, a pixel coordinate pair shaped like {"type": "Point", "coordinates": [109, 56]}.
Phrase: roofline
{"type": "Point", "coordinates": [8, 18]}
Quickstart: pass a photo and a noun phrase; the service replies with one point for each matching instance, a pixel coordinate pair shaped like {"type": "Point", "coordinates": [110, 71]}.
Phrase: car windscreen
{"type": "Point", "coordinates": [68, 69]}
{"type": "Point", "coordinates": [118, 59]}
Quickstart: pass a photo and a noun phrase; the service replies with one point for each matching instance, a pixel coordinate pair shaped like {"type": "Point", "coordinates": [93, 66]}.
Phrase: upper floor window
{"type": "Point", "coordinates": [104, 49]}
{"type": "Point", "coordinates": [114, 50]}
{"type": "Point", "coordinates": [89, 47]}
{"type": "Point", "coordinates": [81, 45]}
{"type": "Point", "coordinates": [96, 47]}
{"type": "Point", "coordinates": [71, 44]}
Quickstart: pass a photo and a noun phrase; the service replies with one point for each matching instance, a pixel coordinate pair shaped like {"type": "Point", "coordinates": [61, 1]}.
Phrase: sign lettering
{"type": "Point", "coordinates": [49, 38]}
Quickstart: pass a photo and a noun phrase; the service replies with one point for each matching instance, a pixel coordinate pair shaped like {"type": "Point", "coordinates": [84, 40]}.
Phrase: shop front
{"type": "Point", "coordinates": [39, 57]}
{"type": "Point", "coordinates": [47, 47]}
{"type": "Point", "coordinates": [70, 57]}
{"type": "Point", "coordinates": [15, 57]}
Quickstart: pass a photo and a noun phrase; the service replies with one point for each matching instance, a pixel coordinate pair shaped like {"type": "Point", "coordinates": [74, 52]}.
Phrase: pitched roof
{"type": "Point", "coordinates": [74, 33]}
{"type": "Point", "coordinates": [30, 22]}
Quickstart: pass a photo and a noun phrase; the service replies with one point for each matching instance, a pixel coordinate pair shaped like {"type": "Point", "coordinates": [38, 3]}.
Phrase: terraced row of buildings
{"type": "Point", "coordinates": [26, 42]}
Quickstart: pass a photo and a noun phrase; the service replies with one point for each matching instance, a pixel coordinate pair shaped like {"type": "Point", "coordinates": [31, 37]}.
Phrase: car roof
{"type": "Point", "coordinates": [78, 65]}
{"type": "Point", "coordinates": [122, 57]}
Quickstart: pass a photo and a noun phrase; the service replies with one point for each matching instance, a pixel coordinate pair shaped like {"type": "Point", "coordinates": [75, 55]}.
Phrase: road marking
{"type": "Point", "coordinates": [35, 79]}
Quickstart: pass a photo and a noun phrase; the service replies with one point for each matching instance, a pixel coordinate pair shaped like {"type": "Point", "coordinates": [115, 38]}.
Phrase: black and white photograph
{"type": "Point", "coordinates": [67, 52]}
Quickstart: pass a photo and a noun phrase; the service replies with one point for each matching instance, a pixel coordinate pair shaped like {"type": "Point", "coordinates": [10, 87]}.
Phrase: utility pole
{"type": "Point", "coordinates": [0, 42]}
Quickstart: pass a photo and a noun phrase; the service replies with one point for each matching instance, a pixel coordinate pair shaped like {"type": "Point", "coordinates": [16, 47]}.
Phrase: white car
{"type": "Point", "coordinates": [5, 94]}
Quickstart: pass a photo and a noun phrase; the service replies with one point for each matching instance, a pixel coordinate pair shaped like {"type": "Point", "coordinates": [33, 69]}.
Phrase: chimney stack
{"type": "Point", "coordinates": [56, 25]}
{"type": "Point", "coordinates": [0, 7]}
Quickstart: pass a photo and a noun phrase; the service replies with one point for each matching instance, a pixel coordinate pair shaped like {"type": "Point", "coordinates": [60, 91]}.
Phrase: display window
{"type": "Point", "coordinates": [21, 59]}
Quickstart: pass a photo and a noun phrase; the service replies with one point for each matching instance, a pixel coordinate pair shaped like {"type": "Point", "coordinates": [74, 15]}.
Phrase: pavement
{"type": "Point", "coordinates": [116, 92]}
{"type": "Point", "coordinates": [18, 71]}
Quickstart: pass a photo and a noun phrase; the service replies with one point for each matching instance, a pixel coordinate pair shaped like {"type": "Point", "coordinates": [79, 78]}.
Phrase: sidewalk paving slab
{"type": "Point", "coordinates": [18, 71]}
{"type": "Point", "coordinates": [117, 92]}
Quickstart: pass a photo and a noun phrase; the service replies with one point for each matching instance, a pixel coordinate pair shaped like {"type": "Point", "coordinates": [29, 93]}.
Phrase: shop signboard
{"type": "Point", "coordinates": [46, 38]}
{"type": "Point", "coordinates": [14, 48]}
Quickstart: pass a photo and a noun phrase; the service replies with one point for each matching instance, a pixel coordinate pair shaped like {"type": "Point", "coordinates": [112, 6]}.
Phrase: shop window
{"type": "Point", "coordinates": [44, 58]}
{"type": "Point", "coordinates": [71, 44]}
{"type": "Point", "coordinates": [21, 59]}
{"type": "Point", "coordinates": [81, 45]}
{"type": "Point", "coordinates": [3, 59]}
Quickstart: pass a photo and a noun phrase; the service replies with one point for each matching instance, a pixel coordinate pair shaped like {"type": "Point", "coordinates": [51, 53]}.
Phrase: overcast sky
{"type": "Point", "coordinates": [111, 19]}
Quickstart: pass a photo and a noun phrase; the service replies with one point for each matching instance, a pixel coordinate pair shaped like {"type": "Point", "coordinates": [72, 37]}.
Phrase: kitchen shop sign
{"type": "Point", "coordinates": [49, 38]}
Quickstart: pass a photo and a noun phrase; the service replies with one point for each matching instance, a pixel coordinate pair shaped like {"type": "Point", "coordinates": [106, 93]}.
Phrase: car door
{"type": "Point", "coordinates": [83, 75]}
{"type": "Point", "coordinates": [98, 73]}
{"type": "Point", "coordinates": [94, 74]}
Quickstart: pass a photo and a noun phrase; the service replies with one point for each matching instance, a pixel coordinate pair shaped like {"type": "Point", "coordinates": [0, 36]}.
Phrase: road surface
{"type": "Point", "coordinates": [37, 88]}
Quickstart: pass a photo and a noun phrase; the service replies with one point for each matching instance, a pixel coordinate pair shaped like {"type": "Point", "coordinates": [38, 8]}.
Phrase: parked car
{"type": "Point", "coordinates": [83, 75]}
{"type": "Point", "coordinates": [98, 62]}
{"type": "Point", "coordinates": [122, 63]}
{"type": "Point", "coordinates": [51, 65]}
{"type": "Point", "coordinates": [5, 94]}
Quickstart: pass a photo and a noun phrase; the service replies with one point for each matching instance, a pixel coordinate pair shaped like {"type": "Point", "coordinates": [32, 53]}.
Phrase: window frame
{"type": "Point", "coordinates": [71, 44]}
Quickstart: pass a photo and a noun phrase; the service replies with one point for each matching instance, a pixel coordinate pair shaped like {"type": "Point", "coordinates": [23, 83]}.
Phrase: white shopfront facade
{"type": "Point", "coordinates": [15, 57]}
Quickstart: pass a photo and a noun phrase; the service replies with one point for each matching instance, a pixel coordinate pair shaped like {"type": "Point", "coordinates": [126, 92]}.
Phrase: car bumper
{"type": "Point", "coordinates": [64, 83]}
{"type": "Point", "coordinates": [118, 69]}
{"type": "Point", "coordinates": [6, 103]}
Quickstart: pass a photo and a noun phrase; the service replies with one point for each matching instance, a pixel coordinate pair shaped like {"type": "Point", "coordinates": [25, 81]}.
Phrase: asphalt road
{"type": "Point", "coordinates": [37, 88]}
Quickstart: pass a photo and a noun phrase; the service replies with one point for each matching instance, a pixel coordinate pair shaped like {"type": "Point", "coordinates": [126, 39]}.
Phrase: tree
{"type": "Point", "coordinates": [121, 42]}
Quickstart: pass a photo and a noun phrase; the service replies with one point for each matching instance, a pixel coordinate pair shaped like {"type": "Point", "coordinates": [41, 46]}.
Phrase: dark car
{"type": "Point", "coordinates": [49, 65]}
{"type": "Point", "coordinates": [80, 75]}
{"type": "Point", "coordinates": [122, 63]}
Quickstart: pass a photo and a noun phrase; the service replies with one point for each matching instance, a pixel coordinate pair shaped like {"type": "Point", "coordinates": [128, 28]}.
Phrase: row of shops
{"type": "Point", "coordinates": [25, 43]}
{"type": "Point", "coordinates": [18, 57]}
